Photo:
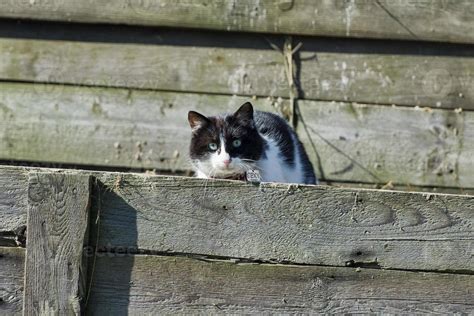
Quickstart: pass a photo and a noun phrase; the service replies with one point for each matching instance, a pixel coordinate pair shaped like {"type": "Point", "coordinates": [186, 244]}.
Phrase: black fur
{"type": "Point", "coordinates": [276, 128]}
{"type": "Point", "coordinates": [239, 125]}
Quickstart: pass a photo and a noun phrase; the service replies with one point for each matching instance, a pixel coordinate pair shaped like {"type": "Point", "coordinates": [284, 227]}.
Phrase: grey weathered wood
{"type": "Point", "coordinates": [302, 224]}
{"type": "Point", "coordinates": [58, 213]}
{"type": "Point", "coordinates": [399, 187]}
{"type": "Point", "coordinates": [155, 285]}
{"type": "Point", "coordinates": [13, 206]}
{"type": "Point", "coordinates": [328, 71]}
{"type": "Point", "coordinates": [11, 280]}
{"type": "Point", "coordinates": [14, 198]}
{"type": "Point", "coordinates": [381, 144]}
{"type": "Point", "coordinates": [145, 129]}
{"type": "Point", "coordinates": [433, 20]}
{"type": "Point", "coordinates": [320, 225]}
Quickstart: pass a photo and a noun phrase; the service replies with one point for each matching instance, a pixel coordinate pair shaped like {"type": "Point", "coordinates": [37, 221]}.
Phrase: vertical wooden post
{"type": "Point", "coordinates": [57, 230]}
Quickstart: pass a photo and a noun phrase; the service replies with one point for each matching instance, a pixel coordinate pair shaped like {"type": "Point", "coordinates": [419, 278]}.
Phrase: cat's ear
{"type": "Point", "coordinates": [245, 112]}
{"type": "Point", "coordinates": [196, 120]}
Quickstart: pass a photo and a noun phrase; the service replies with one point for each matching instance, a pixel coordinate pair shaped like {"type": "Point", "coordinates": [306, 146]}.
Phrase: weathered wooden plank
{"type": "Point", "coordinates": [12, 262]}
{"type": "Point", "coordinates": [398, 187]}
{"type": "Point", "coordinates": [58, 214]}
{"type": "Point", "coordinates": [434, 20]}
{"type": "Point", "coordinates": [311, 224]}
{"type": "Point", "coordinates": [13, 198]}
{"type": "Point", "coordinates": [144, 129]}
{"type": "Point", "coordinates": [152, 284]}
{"type": "Point", "coordinates": [14, 184]}
{"type": "Point", "coordinates": [382, 144]}
{"type": "Point", "coordinates": [13, 202]}
{"type": "Point", "coordinates": [303, 224]}
{"type": "Point", "coordinates": [329, 70]}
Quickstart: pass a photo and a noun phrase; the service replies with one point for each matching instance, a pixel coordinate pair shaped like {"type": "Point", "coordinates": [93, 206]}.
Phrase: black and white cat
{"type": "Point", "coordinates": [228, 146]}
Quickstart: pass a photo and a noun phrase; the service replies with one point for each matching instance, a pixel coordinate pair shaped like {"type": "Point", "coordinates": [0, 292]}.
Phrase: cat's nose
{"type": "Point", "coordinates": [226, 162]}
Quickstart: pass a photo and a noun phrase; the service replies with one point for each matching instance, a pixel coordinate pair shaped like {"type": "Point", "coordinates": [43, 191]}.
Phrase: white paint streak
{"type": "Point", "coordinates": [349, 10]}
{"type": "Point", "coordinates": [344, 80]}
{"type": "Point", "coordinates": [238, 81]}
{"type": "Point", "coordinates": [326, 85]}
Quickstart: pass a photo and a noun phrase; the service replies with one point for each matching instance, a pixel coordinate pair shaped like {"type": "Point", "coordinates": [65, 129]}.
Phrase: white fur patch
{"type": "Point", "coordinates": [274, 169]}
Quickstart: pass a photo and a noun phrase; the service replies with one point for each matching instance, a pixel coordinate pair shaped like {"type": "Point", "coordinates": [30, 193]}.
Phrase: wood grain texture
{"type": "Point", "coordinates": [328, 70]}
{"type": "Point", "coordinates": [146, 129]}
{"type": "Point", "coordinates": [389, 144]}
{"type": "Point", "coordinates": [434, 20]}
{"type": "Point", "coordinates": [140, 285]}
{"type": "Point", "coordinates": [12, 261]}
{"type": "Point", "coordinates": [396, 187]}
{"type": "Point", "coordinates": [301, 224]}
{"type": "Point", "coordinates": [153, 284]}
{"type": "Point", "coordinates": [321, 225]}
{"type": "Point", "coordinates": [58, 214]}
{"type": "Point", "coordinates": [14, 197]}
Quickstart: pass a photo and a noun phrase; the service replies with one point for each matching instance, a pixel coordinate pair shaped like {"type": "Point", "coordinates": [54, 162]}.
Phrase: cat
{"type": "Point", "coordinates": [230, 145]}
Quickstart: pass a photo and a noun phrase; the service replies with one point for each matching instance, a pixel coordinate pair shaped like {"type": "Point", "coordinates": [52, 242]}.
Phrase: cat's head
{"type": "Point", "coordinates": [222, 146]}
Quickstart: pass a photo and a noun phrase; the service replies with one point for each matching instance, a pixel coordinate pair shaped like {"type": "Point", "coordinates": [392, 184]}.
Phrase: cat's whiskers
{"type": "Point", "coordinates": [246, 166]}
{"type": "Point", "coordinates": [249, 160]}
{"type": "Point", "coordinates": [250, 165]}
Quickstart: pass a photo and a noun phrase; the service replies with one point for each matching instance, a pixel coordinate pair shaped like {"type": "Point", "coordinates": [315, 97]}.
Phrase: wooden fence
{"type": "Point", "coordinates": [373, 112]}
{"type": "Point", "coordinates": [115, 243]}
{"type": "Point", "coordinates": [380, 93]}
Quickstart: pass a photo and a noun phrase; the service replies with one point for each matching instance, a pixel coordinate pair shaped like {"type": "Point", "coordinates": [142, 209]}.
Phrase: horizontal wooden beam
{"type": "Point", "coordinates": [143, 129]}
{"type": "Point", "coordinates": [328, 70]}
{"type": "Point", "coordinates": [172, 284]}
{"type": "Point", "coordinates": [302, 224]}
{"type": "Point", "coordinates": [14, 196]}
{"type": "Point", "coordinates": [154, 284]}
{"type": "Point", "coordinates": [389, 144]}
{"type": "Point", "coordinates": [12, 263]}
{"type": "Point", "coordinates": [434, 20]}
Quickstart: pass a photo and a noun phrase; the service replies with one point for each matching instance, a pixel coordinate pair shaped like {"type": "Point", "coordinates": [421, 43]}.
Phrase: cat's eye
{"type": "Point", "coordinates": [212, 146]}
{"type": "Point", "coordinates": [236, 143]}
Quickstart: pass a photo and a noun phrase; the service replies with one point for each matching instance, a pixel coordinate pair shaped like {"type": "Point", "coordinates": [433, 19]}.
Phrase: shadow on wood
{"type": "Point", "coordinates": [104, 199]}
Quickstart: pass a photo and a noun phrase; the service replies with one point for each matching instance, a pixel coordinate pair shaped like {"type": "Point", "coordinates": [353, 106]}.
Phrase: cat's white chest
{"type": "Point", "coordinates": [273, 168]}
